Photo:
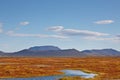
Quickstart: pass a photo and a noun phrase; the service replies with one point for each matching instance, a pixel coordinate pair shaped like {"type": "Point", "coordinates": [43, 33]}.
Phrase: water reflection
{"type": "Point", "coordinates": [57, 77]}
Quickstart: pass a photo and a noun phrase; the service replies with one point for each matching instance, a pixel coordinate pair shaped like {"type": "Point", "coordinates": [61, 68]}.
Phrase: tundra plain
{"type": "Point", "coordinates": [13, 67]}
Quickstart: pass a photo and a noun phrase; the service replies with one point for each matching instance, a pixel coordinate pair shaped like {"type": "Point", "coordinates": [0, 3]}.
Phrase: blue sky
{"type": "Point", "coordinates": [80, 24]}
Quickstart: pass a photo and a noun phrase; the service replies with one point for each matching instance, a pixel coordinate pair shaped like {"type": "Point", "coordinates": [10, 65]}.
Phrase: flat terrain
{"type": "Point", "coordinates": [105, 67]}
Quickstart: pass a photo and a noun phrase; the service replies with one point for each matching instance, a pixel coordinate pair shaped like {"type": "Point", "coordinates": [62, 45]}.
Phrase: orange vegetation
{"type": "Point", "coordinates": [105, 67]}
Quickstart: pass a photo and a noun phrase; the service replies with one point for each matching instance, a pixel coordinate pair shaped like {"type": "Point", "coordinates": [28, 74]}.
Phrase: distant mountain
{"type": "Point", "coordinates": [48, 53]}
{"type": "Point", "coordinates": [1, 53]}
{"type": "Point", "coordinates": [102, 52]}
{"type": "Point", "coordinates": [53, 51]}
{"type": "Point", "coordinates": [44, 48]}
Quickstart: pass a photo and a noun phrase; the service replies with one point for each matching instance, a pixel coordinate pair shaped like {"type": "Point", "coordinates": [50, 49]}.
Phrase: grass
{"type": "Point", "coordinates": [105, 67]}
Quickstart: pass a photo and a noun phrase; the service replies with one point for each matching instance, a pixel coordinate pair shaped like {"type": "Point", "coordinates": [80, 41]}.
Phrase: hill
{"type": "Point", "coordinates": [102, 52]}
{"type": "Point", "coordinates": [53, 51]}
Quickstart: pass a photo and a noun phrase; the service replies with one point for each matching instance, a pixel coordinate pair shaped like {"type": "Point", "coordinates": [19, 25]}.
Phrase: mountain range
{"type": "Point", "coordinates": [53, 51]}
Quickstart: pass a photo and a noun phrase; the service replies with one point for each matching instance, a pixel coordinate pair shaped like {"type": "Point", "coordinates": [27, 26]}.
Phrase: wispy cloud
{"type": "Point", "coordinates": [85, 34]}
{"type": "Point", "coordinates": [104, 22]}
{"type": "Point", "coordinates": [76, 32]}
{"type": "Point", "coordinates": [62, 33]}
{"type": "Point", "coordinates": [12, 33]}
{"type": "Point", "coordinates": [118, 35]}
{"type": "Point", "coordinates": [56, 28]}
{"type": "Point", "coordinates": [113, 38]}
{"type": "Point", "coordinates": [1, 25]}
{"type": "Point", "coordinates": [24, 23]}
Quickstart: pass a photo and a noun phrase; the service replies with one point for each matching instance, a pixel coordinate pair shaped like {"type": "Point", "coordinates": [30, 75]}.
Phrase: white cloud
{"type": "Point", "coordinates": [97, 38]}
{"type": "Point", "coordinates": [58, 36]}
{"type": "Point", "coordinates": [118, 36]}
{"type": "Point", "coordinates": [24, 23]}
{"type": "Point", "coordinates": [75, 32]}
{"type": "Point", "coordinates": [12, 33]}
{"type": "Point", "coordinates": [62, 33]}
{"type": "Point", "coordinates": [113, 39]}
{"type": "Point", "coordinates": [1, 25]}
{"type": "Point", "coordinates": [56, 28]}
{"type": "Point", "coordinates": [104, 22]}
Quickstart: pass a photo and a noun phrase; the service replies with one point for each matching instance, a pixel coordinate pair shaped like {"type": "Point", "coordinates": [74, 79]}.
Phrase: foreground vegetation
{"type": "Point", "coordinates": [105, 67]}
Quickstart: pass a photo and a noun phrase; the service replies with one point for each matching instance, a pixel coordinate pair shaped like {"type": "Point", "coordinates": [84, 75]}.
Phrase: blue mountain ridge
{"type": "Point", "coordinates": [53, 51]}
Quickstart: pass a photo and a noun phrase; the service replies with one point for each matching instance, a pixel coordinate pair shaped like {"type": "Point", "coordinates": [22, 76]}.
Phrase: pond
{"type": "Point", "coordinates": [78, 73]}
{"type": "Point", "coordinates": [66, 73]}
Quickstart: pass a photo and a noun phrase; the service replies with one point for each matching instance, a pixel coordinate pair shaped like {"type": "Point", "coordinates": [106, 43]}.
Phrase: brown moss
{"type": "Point", "coordinates": [105, 67]}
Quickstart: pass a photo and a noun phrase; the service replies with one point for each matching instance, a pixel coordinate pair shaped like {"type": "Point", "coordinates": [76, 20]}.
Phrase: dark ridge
{"type": "Point", "coordinates": [53, 51]}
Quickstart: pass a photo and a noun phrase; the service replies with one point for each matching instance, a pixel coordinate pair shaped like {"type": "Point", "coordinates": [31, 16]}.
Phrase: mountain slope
{"type": "Point", "coordinates": [44, 48]}
{"type": "Point", "coordinates": [102, 52]}
{"type": "Point", "coordinates": [53, 51]}
{"type": "Point", "coordinates": [49, 53]}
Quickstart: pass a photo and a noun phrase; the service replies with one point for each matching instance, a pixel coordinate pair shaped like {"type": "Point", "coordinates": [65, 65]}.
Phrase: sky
{"type": "Point", "coordinates": [79, 24]}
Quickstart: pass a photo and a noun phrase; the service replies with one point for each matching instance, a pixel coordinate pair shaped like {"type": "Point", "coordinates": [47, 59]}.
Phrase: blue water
{"type": "Point", "coordinates": [37, 78]}
{"type": "Point", "coordinates": [78, 73]}
{"type": "Point", "coordinates": [66, 73]}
